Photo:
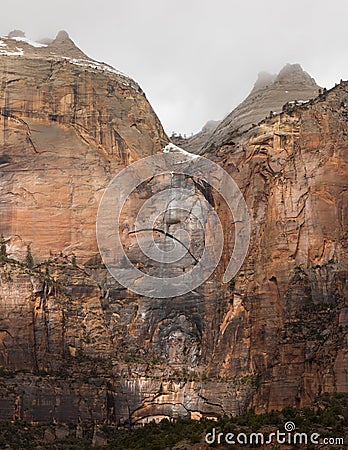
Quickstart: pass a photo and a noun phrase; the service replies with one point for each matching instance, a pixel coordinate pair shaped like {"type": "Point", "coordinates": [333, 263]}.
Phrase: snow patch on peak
{"type": "Point", "coordinates": [93, 65]}
{"type": "Point", "coordinates": [171, 148]}
{"type": "Point", "coordinates": [28, 41]}
{"type": "Point", "coordinates": [102, 67]}
{"type": "Point", "coordinates": [8, 52]}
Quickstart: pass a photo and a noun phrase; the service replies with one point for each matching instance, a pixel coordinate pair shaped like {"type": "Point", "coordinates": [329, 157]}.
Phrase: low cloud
{"type": "Point", "coordinates": [195, 60]}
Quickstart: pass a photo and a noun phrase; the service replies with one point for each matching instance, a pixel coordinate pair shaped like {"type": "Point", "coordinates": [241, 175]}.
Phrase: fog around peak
{"type": "Point", "coordinates": [195, 60]}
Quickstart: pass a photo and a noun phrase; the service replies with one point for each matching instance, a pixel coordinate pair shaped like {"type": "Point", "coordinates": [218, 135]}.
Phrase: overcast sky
{"type": "Point", "coordinates": [196, 60]}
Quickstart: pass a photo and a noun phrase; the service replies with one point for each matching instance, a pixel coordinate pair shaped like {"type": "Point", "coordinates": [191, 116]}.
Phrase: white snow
{"type": "Point", "coordinates": [99, 66]}
{"type": "Point", "coordinates": [28, 41]}
{"type": "Point", "coordinates": [94, 65]}
{"type": "Point", "coordinates": [19, 52]}
{"type": "Point", "coordinates": [174, 148]}
{"type": "Point", "coordinates": [299, 102]}
{"type": "Point", "coordinates": [127, 81]}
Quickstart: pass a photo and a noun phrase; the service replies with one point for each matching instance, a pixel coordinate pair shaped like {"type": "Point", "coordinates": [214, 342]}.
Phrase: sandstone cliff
{"type": "Point", "coordinates": [293, 289]}
{"type": "Point", "coordinates": [68, 124]}
{"type": "Point", "coordinates": [75, 345]}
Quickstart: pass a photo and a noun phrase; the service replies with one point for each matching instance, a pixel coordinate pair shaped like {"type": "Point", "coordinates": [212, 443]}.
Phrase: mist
{"type": "Point", "coordinates": [195, 60]}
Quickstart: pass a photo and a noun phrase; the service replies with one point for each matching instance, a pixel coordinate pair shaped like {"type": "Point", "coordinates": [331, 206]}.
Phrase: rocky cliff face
{"type": "Point", "coordinates": [77, 346]}
{"type": "Point", "coordinates": [68, 124]}
{"type": "Point", "coordinates": [292, 291]}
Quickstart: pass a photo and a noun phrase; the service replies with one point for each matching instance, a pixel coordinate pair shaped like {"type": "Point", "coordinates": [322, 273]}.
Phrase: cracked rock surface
{"type": "Point", "coordinates": [77, 346]}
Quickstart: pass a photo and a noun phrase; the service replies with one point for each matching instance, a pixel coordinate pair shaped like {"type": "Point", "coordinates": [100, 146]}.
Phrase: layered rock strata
{"type": "Point", "coordinates": [77, 346]}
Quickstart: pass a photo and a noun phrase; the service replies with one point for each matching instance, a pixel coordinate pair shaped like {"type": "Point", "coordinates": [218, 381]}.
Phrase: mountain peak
{"type": "Point", "coordinates": [293, 73]}
{"type": "Point", "coordinates": [62, 36]}
{"type": "Point", "coordinates": [264, 79]}
{"type": "Point", "coordinates": [62, 48]}
{"type": "Point", "coordinates": [66, 46]}
{"type": "Point", "coordinates": [269, 94]}
{"type": "Point", "coordinates": [16, 33]}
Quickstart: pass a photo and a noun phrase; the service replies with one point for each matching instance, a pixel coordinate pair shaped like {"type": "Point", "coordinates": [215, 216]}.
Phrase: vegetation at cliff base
{"type": "Point", "coordinates": [327, 417]}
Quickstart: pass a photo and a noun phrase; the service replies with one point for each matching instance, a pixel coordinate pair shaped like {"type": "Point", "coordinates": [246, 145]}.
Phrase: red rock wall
{"type": "Point", "coordinates": [275, 336]}
{"type": "Point", "coordinates": [65, 132]}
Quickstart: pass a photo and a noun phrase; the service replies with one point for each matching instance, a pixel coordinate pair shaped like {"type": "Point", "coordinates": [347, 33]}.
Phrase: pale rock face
{"type": "Point", "coordinates": [16, 33]}
{"type": "Point", "coordinates": [276, 336]}
{"type": "Point", "coordinates": [269, 94]}
{"type": "Point", "coordinates": [62, 36]}
{"type": "Point", "coordinates": [194, 143]}
{"type": "Point", "coordinates": [264, 80]}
